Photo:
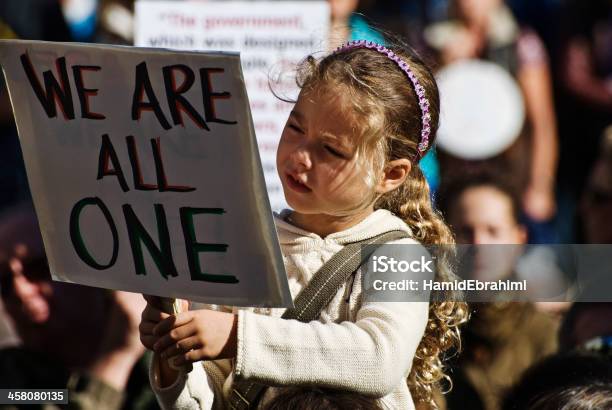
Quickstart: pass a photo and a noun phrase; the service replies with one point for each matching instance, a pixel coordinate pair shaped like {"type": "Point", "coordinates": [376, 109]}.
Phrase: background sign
{"type": "Point", "coordinates": [144, 171]}
{"type": "Point", "coordinates": [272, 38]}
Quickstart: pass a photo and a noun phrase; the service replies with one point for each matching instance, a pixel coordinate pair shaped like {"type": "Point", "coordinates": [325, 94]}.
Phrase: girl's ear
{"type": "Point", "coordinates": [394, 175]}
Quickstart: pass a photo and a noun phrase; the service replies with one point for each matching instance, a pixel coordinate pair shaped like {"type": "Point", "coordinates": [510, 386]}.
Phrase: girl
{"type": "Point", "coordinates": [347, 160]}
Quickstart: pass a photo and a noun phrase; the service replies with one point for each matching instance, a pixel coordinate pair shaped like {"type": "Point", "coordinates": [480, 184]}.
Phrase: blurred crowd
{"type": "Point", "coordinates": [552, 184]}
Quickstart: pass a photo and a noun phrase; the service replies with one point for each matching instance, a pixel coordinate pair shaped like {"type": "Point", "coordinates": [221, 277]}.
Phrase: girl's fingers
{"type": "Point", "coordinates": [182, 346]}
{"type": "Point", "coordinates": [148, 341]}
{"type": "Point", "coordinates": [166, 304]}
{"type": "Point", "coordinates": [146, 334]}
{"type": "Point", "coordinates": [189, 357]}
{"type": "Point", "coordinates": [146, 327]}
{"type": "Point", "coordinates": [176, 334]}
{"type": "Point", "coordinates": [152, 314]}
{"type": "Point", "coordinates": [173, 321]}
{"type": "Point", "coordinates": [157, 301]}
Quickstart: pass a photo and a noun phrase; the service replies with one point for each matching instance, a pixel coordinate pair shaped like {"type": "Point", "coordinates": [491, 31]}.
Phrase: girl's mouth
{"type": "Point", "coordinates": [296, 185]}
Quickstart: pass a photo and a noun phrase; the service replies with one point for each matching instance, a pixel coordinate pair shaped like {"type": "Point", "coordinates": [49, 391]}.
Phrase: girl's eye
{"type": "Point", "coordinates": [334, 152]}
{"type": "Point", "coordinates": [295, 128]}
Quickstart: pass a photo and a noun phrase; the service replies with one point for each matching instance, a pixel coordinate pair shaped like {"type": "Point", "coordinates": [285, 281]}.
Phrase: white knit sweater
{"type": "Point", "coordinates": [358, 346]}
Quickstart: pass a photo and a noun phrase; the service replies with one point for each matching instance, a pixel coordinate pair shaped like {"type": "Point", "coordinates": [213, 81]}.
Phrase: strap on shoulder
{"type": "Point", "coordinates": [311, 301]}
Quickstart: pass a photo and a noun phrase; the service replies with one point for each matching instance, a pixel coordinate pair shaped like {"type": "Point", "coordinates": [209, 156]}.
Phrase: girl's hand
{"type": "Point", "coordinates": [197, 335]}
{"type": "Point", "coordinates": [157, 309]}
{"type": "Point", "coordinates": [151, 316]}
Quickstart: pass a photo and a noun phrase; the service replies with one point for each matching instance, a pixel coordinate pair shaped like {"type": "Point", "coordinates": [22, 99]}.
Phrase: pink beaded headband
{"type": "Point", "coordinates": [405, 67]}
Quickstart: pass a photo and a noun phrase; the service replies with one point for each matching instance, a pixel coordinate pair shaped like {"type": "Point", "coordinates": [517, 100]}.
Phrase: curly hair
{"type": "Point", "coordinates": [382, 100]}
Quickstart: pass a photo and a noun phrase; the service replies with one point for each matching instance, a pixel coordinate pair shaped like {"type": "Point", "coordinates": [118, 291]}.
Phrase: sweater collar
{"type": "Point", "coordinates": [378, 222]}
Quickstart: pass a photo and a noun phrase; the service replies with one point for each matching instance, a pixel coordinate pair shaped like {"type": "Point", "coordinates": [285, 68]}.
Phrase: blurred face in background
{"type": "Point", "coordinates": [476, 12]}
{"type": "Point", "coordinates": [43, 310]}
{"type": "Point", "coordinates": [29, 289]}
{"type": "Point", "coordinates": [484, 215]}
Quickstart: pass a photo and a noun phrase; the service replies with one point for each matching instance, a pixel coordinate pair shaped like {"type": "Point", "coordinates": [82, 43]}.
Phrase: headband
{"type": "Point", "coordinates": [405, 67]}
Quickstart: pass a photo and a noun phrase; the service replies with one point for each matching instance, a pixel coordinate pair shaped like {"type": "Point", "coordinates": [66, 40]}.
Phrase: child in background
{"type": "Point", "coordinates": [348, 161]}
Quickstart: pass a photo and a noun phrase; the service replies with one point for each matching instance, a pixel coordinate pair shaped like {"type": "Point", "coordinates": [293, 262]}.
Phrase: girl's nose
{"type": "Point", "coordinates": [301, 158]}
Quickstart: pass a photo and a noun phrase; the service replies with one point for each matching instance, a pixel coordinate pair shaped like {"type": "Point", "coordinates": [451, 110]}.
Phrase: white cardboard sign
{"type": "Point", "coordinates": [272, 37]}
{"type": "Point", "coordinates": [144, 170]}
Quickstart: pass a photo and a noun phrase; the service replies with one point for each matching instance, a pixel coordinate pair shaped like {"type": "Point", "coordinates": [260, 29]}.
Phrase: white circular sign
{"type": "Point", "coordinates": [481, 109]}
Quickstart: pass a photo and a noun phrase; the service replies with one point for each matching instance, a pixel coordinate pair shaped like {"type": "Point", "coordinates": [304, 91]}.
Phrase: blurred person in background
{"type": "Point", "coordinates": [81, 17]}
{"type": "Point", "coordinates": [592, 261]}
{"type": "Point", "coordinates": [487, 30]}
{"type": "Point", "coordinates": [587, 327]}
{"type": "Point", "coordinates": [115, 22]}
{"type": "Point", "coordinates": [314, 398]}
{"type": "Point", "coordinates": [584, 98]}
{"type": "Point", "coordinates": [586, 71]}
{"type": "Point", "coordinates": [585, 397]}
{"type": "Point", "coordinates": [35, 19]}
{"type": "Point", "coordinates": [565, 381]}
{"type": "Point", "coordinates": [77, 337]}
{"type": "Point", "coordinates": [596, 203]}
{"type": "Point", "coordinates": [28, 20]}
{"type": "Point", "coordinates": [502, 339]}
{"type": "Point", "coordinates": [347, 25]}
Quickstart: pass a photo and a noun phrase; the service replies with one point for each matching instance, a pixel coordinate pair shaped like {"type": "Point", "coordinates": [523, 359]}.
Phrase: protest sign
{"type": "Point", "coordinates": [144, 170]}
{"type": "Point", "coordinates": [272, 38]}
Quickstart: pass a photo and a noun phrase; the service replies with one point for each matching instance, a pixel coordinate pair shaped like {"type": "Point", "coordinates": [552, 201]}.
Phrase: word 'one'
{"type": "Point", "coordinates": [160, 252]}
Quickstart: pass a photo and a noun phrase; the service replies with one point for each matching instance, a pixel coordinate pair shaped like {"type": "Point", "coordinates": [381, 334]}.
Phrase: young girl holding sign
{"type": "Point", "coordinates": [348, 161]}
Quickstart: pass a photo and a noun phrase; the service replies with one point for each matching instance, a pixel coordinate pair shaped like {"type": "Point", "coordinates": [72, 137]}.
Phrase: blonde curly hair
{"type": "Point", "coordinates": [382, 100]}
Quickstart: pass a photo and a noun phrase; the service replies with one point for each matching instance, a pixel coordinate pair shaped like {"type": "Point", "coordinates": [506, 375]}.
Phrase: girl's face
{"type": "Point", "coordinates": [317, 159]}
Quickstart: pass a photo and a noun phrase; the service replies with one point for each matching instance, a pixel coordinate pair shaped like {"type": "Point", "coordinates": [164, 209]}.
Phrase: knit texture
{"type": "Point", "coordinates": [358, 346]}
